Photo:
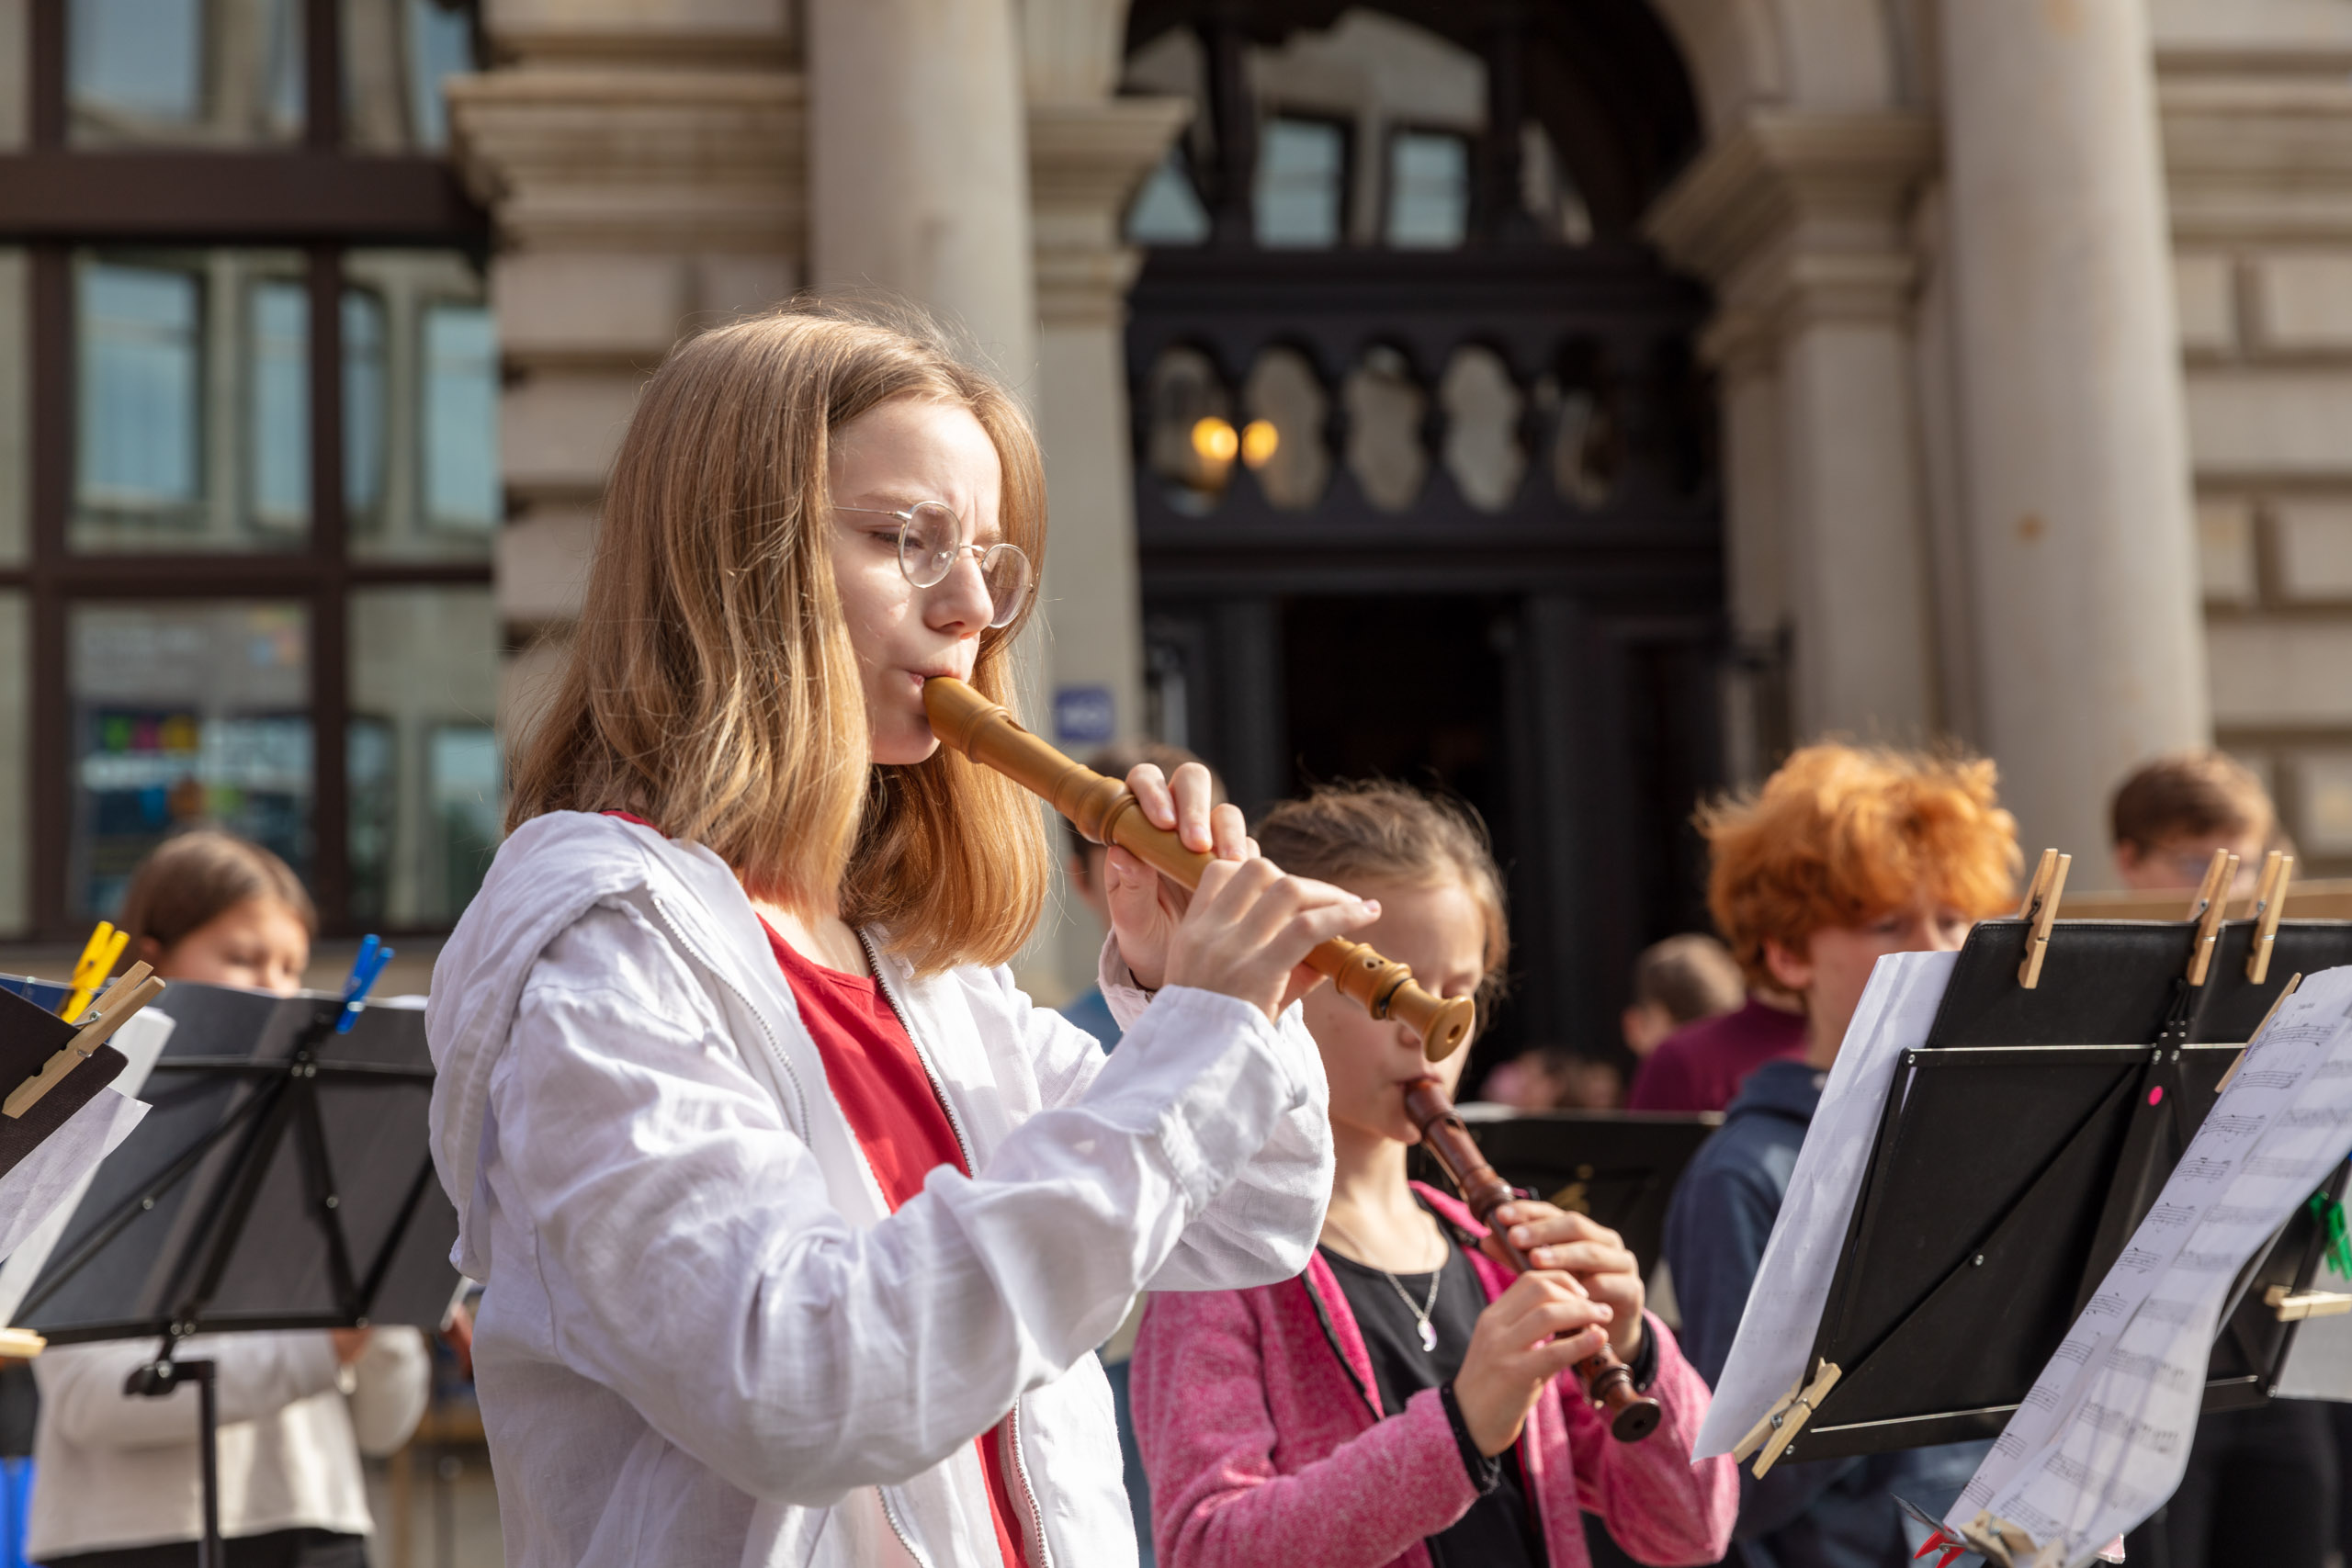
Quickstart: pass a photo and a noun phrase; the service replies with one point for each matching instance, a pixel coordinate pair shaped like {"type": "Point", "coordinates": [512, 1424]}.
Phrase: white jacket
{"type": "Point", "coordinates": [704, 1340]}
{"type": "Point", "coordinates": [115, 1470]}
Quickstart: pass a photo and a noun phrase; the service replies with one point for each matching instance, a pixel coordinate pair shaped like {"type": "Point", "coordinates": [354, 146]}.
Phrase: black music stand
{"type": "Point", "coordinates": [2020, 1149]}
{"type": "Point", "coordinates": [282, 1180]}
{"type": "Point", "coordinates": [30, 1034]}
{"type": "Point", "coordinates": [1619, 1167]}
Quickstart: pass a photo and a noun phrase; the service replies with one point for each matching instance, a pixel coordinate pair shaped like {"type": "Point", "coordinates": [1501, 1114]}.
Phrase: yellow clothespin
{"type": "Point", "coordinates": [90, 971]}
{"type": "Point", "coordinates": [125, 997]}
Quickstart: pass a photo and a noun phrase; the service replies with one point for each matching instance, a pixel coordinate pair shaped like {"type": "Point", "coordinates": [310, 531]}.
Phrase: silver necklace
{"type": "Point", "coordinates": [1421, 1310]}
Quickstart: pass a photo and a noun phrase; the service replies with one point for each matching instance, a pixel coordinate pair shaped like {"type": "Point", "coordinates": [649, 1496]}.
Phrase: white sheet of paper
{"type": "Point", "coordinates": [30, 1233]}
{"type": "Point", "coordinates": [2102, 1438]}
{"type": "Point", "coordinates": [1784, 1316]}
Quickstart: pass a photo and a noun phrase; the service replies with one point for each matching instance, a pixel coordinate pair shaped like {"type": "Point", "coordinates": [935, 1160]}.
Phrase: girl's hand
{"type": "Point", "coordinates": [1248, 928]}
{"type": "Point", "coordinates": [1146, 906]}
{"type": "Point", "coordinates": [1595, 1255]}
{"type": "Point", "coordinates": [1530, 1334]}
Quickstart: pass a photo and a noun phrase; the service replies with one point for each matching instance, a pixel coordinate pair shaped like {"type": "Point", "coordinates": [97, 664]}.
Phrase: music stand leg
{"type": "Point", "coordinates": [209, 1552]}
{"type": "Point", "coordinates": [160, 1379]}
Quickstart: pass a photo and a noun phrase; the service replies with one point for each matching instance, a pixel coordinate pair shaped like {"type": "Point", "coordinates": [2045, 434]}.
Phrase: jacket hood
{"type": "Point", "coordinates": [1781, 1089]}
{"type": "Point", "coordinates": [548, 874]}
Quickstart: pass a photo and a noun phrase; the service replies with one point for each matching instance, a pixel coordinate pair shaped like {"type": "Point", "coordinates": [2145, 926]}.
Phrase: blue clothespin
{"type": "Point", "coordinates": [373, 956]}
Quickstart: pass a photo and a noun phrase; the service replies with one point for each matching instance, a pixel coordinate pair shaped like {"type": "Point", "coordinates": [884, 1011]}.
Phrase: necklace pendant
{"type": "Point", "coordinates": [1429, 1337]}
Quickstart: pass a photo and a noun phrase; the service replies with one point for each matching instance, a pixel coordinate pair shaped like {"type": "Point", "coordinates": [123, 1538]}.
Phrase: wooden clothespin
{"type": "Point", "coordinates": [99, 955]}
{"type": "Point", "coordinates": [2293, 1306]}
{"type": "Point", "coordinates": [137, 987]}
{"type": "Point", "coordinates": [2275, 1003]}
{"type": "Point", "coordinates": [2212, 903]}
{"type": "Point", "coordinates": [2040, 907]}
{"type": "Point", "coordinates": [21, 1343]}
{"type": "Point", "coordinates": [1780, 1425]}
{"type": "Point", "coordinates": [2270, 903]}
{"type": "Point", "coordinates": [2007, 1545]}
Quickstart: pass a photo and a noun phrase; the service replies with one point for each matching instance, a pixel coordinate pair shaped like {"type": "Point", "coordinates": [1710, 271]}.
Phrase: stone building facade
{"type": "Point", "coordinates": [2031, 333]}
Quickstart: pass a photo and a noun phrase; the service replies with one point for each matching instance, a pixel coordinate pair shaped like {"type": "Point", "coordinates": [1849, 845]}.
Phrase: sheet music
{"type": "Point", "coordinates": [1783, 1316]}
{"type": "Point", "coordinates": [67, 1161]}
{"type": "Point", "coordinates": [2102, 1439]}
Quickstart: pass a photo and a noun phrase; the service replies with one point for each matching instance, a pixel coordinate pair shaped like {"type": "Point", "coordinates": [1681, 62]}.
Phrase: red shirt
{"type": "Point", "coordinates": [901, 1127]}
{"type": "Point", "coordinates": [1701, 1066]}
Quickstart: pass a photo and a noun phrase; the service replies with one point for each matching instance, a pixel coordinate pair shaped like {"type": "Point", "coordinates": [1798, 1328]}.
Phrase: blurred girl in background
{"type": "Point", "coordinates": [119, 1484]}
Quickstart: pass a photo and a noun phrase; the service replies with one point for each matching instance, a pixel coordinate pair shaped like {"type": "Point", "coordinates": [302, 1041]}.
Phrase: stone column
{"type": "Point", "coordinates": [645, 174]}
{"type": "Point", "coordinates": [917, 180]}
{"type": "Point", "coordinates": [1799, 221]}
{"type": "Point", "coordinates": [2089, 647]}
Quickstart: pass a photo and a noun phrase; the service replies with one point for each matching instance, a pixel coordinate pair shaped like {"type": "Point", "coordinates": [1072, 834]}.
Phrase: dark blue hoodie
{"type": "Point", "coordinates": [1838, 1513]}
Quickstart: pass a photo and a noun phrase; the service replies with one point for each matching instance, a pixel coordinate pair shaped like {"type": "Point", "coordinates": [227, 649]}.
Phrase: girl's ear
{"type": "Point", "coordinates": [1791, 972]}
{"type": "Point", "coordinates": [151, 953]}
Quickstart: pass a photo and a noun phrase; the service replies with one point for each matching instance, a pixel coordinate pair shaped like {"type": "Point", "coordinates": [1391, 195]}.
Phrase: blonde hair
{"type": "Point", "coordinates": [1841, 835]}
{"type": "Point", "coordinates": [1350, 834]}
{"type": "Point", "coordinates": [711, 687]}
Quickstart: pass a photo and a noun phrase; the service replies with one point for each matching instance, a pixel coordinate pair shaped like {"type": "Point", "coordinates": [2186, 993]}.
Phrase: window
{"type": "Point", "coordinates": [365, 414]}
{"type": "Point", "coordinates": [277, 430]}
{"type": "Point", "coordinates": [186, 713]}
{"type": "Point", "coordinates": [141, 350]}
{"type": "Point", "coordinates": [249, 481]}
{"type": "Point", "coordinates": [1168, 210]}
{"type": "Point", "coordinates": [396, 55]}
{"type": "Point", "coordinates": [1301, 183]}
{"type": "Point", "coordinates": [185, 71]}
{"type": "Point", "coordinates": [420, 407]}
{"type": "Point", "coordinates": [461, 413]}
{"type": "Point", "coordinates": [1429, 189]}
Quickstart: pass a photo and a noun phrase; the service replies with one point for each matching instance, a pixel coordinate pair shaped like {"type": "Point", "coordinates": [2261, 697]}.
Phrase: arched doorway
{"type": "Point", "coordinates": [1425, 466]}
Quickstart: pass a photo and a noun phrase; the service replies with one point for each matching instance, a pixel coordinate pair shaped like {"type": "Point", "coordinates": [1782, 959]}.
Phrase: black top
{"type": "Point", "coordinates": [1499, 1530]}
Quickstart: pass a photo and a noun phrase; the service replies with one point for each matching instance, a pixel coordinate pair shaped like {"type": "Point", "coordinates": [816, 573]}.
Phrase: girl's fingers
{"type": "Point", "coordinates": [1190, 787]}
{"type": "Point", "coordinates": [1146, 783]}
{"type": "Point", "coordinates": [1551, 1359]}
{"type": "Point", "coordinates": [1580, 1257]}
{"type": "Point", "coordinates": [1231, 834]}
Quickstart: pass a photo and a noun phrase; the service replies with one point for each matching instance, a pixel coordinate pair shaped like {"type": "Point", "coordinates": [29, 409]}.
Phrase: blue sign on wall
{"type": "Point", "coordinates": [1085, 713]}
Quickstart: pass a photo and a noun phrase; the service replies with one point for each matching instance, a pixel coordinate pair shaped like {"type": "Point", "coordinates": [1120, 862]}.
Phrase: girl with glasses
{"type": "Point", "coordinates": [799, 1222]}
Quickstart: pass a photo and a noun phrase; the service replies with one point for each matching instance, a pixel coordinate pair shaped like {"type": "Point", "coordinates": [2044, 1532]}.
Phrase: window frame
{"type": "Point", "coordinates": [312, 196]}
{"type": "Point", "coordinates": [1344, 129]}
{"type": "Point", "coordinates": [1393, 135]}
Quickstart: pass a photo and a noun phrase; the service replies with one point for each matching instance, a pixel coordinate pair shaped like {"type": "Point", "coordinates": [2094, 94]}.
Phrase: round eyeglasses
{"type": "Point", "coordinates": [930, 537]}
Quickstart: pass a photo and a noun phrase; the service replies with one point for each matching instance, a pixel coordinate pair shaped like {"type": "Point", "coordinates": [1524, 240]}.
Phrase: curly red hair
{"type": "Point", "coordinates": [1841, 835]}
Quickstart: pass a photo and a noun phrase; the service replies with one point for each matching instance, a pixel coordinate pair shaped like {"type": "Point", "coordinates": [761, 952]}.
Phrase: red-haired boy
{"type": "Point", "coordinates": [1846, 854]}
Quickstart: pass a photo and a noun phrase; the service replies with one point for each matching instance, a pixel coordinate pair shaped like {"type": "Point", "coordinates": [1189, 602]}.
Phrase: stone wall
{"type": "Point", "coordinates": [2255, 97]}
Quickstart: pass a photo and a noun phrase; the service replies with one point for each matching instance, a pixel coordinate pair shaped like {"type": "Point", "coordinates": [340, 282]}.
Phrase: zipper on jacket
{"type": "Point", "coordinates": [890, 1517]}
{"type": "Point", "coordinates": [1028, 1492]}
{"type": "Point", "coordinates": [776, 1051]}
{"type": "Point", "coordinates": [971, 1166]}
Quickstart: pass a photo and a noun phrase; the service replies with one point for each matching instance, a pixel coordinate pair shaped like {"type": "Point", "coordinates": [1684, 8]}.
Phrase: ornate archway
{"type": "Point", "coordinates": [1426, 476]}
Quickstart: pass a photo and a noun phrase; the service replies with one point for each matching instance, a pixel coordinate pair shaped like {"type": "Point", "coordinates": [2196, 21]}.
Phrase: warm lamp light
{"type": "Point", "coordinates": [1258, 440]}
{"type": "Point", "coordinates": [1214, 440]}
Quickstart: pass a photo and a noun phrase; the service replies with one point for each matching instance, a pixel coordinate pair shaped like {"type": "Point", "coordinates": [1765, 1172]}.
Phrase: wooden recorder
{"type": "Point", "coordinates": [1608, 1384]}
{"type": "Point", "coordinates": [1106, 813]}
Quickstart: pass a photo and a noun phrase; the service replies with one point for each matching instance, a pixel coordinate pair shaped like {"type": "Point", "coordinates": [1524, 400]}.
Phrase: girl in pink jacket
{"type": "Point", "coordinates": [1407, 1400]}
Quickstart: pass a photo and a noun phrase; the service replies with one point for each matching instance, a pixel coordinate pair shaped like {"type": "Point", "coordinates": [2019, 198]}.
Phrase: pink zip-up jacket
{"type": "Point", "coordinates": [1263, 1438]}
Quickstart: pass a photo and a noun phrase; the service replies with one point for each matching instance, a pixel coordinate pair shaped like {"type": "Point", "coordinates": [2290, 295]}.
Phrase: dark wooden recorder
{"type": "Point", "coordinates": [1607, 1381]}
